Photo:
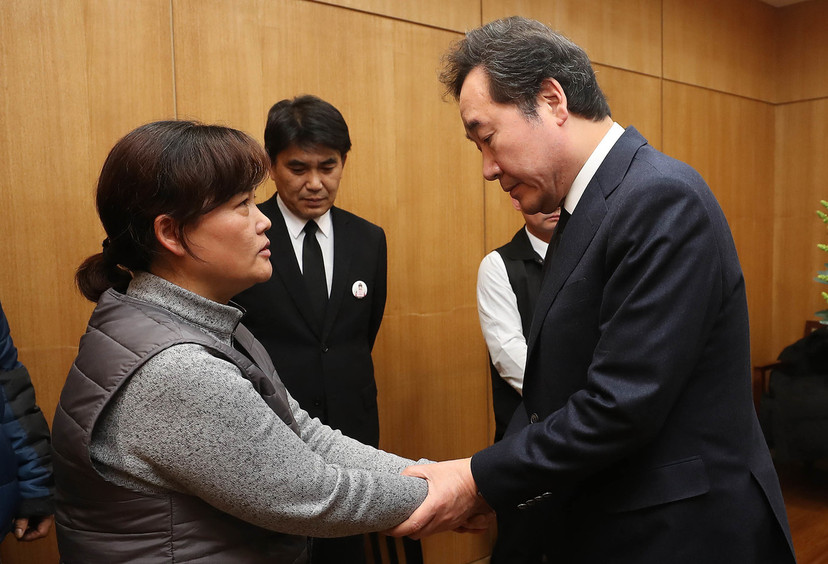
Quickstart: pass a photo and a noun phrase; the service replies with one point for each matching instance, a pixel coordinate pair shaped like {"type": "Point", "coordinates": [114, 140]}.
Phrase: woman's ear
{"type": "Point", "coordinates": [167, 234]}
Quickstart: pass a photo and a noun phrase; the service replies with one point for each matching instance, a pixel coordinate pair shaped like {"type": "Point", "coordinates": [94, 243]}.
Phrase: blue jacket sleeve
{"type": "Point", "coordinates": [25, 427]}
{"type": "Point", "coordinates": [27, 431]}
{"type": "Point", "coordinates": [8, 354]}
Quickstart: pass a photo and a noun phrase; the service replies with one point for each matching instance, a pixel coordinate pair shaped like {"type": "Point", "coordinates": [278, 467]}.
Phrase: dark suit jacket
{"type": "Point", "coordinates": [524, 269]}
{"type": "Point", "coordinates": [330, 374]}
{"type": "Point", "coordinates": [643, 444]}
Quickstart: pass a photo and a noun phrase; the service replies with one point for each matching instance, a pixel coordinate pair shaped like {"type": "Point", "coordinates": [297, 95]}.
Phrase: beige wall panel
{"type": "Point", "coordinates": [729, 141]}
{"type": "Point", "coordinates": [456, 15]}
{"type": "Point", "coordinates": [71, 87]}
{"type": "Point", "coordinates": [725, 46]}
{"type": "Point", "coordinates": [44, 154]}
{"type": "Point", "coordinates": [801, 173]}
{"type": "Point", "coordinates": [433, 403]}
{"type": "Point", "coordinates": [404, 347]}
{"type": "Point", "coordinates": [796, 295]}
{"type": "Point", "coordinates": [802, 51]}
{"type": "Point", "coordinates": [618, 33]}
{"type": "Point", "coordinates": [130, 82]}
{"type": "Point", "coordinates": [218, 62]}
{"type": "Point", "coordinates": [79, 104]}
{"type": "Point", "coordinates": [411, 170]}
{"type": "Point", "coordinates": [634, 99]}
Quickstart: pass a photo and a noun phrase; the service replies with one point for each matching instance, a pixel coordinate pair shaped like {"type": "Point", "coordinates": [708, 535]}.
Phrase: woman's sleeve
{"type": "Point", "coordinates": [189, 421]}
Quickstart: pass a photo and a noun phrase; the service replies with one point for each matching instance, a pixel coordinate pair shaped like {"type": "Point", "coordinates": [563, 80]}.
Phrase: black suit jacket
{"type": "Point", "coordinates": [643, 444]}
{"type": "Point", "coordinates": [331, 373]}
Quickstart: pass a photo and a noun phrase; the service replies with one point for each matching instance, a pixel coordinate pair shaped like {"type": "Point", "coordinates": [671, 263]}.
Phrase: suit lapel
{"type": "Point", "coordinates": [283, 260]}
{"type": "Point", "coordinates": [583, 225]}
{"type": "Point", "coordinates": [343, 243]}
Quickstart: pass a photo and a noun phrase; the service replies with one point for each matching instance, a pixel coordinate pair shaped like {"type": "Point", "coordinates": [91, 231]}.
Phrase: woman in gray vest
{"type": "Point", "coordinates": [174, 439]}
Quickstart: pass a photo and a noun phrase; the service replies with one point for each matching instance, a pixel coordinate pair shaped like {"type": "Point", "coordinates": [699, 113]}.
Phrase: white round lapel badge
{"type": "Point", "coordinates": [359, 289]}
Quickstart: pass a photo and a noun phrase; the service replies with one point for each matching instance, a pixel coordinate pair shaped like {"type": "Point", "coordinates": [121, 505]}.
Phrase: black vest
{"type": "Point", "coordinates": [525, 270]}
{"type": "Point", "coordinates": [98, 521]}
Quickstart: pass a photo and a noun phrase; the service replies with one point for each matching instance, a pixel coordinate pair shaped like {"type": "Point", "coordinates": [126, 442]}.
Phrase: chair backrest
{"type": "Point", "coordinates": [811, 326]}
{"type": "Point", "coordinates": [389, 550]}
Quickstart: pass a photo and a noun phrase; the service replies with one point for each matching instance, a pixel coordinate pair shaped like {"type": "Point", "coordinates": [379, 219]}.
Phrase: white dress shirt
{"type": "Point", "coordinates": [499, 316]}
{"type": "Point", "coordinates": [296, 225]}
{"type": "Point", "coordinates": [591, 166]}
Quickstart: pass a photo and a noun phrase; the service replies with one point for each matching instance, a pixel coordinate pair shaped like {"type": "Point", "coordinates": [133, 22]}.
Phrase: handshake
{"type": "Point", "coordinates": [453, 502]}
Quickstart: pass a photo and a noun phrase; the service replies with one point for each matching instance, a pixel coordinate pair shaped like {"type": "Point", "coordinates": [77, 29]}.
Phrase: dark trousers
{"type": "Point", "coordinates": [343, 550]}
{"type": "Point", "coordinates": [519, 539]}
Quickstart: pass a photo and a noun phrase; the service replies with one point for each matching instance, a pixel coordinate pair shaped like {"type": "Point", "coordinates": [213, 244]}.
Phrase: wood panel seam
{"type": "Point", "coordinates": [389, 17]}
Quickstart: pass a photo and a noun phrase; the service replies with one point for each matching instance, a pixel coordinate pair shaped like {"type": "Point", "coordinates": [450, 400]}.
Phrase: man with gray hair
{"type": "Point", "coordinates": [642, 444]}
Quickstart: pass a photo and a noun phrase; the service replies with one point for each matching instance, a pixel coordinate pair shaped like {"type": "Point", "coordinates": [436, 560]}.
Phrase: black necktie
{"type": "Point", "coordinates": [562, 220]}
{"type": "Point", "coordinates": [313, 270]}
{"type": "Point", "coordinates": [556, 238]}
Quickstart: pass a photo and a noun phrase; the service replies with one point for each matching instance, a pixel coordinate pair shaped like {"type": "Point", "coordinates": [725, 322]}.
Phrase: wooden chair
{"type": "Point", "coordinates": [793, 411]}
{"type": "Point", "coordinates": [761, 373]}
{"type": "Point", "coordinates": [381, 549]}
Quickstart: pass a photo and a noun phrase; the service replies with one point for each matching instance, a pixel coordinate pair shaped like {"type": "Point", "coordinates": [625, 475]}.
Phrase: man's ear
{"type": "Point", "coordinates": [166, 231]}
{"type": "Point", "coordinates": [553, 98]}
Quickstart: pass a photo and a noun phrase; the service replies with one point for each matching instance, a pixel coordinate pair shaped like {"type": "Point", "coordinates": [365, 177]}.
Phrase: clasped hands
{"type": "Point", "coordinates": [452, 504]}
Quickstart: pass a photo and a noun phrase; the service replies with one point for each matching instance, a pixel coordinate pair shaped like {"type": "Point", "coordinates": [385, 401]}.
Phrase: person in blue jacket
{"type": "Point", "coordinates": [26, 483]}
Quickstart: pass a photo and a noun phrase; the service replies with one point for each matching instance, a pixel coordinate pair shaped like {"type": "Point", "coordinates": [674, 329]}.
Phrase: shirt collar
{"type": "Point", "coordinates": [296, 224]}
{"type": "Point", "coordinates": [591, 166]}
{"type": "Point", "coordinates": [538, 245]}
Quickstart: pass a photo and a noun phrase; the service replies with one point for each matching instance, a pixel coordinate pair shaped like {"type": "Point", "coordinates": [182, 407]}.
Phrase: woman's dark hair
{"type": "Point", "coordinates": [183, 169]}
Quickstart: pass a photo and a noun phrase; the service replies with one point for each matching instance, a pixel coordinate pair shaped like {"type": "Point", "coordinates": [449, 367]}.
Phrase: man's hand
{"type": "Point", "coordinates": [452, 502]}
{"type": "Point", "coordinates": [38, 528]}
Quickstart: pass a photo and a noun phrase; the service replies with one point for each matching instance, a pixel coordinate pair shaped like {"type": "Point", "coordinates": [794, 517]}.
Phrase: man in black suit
{"type": "Point", "coordinates": [642, 444]}
{"type": "Point", "coordinates": [319, 313]}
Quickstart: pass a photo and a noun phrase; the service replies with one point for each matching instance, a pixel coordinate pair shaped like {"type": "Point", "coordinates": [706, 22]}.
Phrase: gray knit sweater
{"type": "Point", "coordinates": [188, 421]}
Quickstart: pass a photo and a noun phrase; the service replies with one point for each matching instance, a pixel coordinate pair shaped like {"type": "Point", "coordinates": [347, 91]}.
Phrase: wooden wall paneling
{"type": "Point", "coordinates": [71, 87]}
{"type": "Point", "coordinates": [634, 99]}
{"type": "Point", "coordinates": [427, 387]}
{"type": "Point", "coordinates": [729, 141]}
{"type": "Point", "coordinates": [801, 173]}
{"type": "Point", "coordinates": [410, 170]}
{"type": "Point", "coordinates": [130, 69]}
{"type": "Point", "coordinates": [725, 46]}
{"type": "Point", "coordinates": [457, 15]}
{"type": "Point", "coordinates": [218, 62]}
{"type": "Point", "coordinates": [44, 147]}
{"type": "Point", "coordinates": [618, 33]}
{"type": "Point", "coordinates": [801, 51]}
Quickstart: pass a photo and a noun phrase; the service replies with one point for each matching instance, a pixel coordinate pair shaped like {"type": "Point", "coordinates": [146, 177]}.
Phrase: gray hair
{"type": "Point", "coordinates": [517, 54]}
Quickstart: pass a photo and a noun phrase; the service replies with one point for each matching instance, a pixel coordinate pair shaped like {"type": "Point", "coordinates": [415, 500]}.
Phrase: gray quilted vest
{"type": "Point", "coordinates": [98, 521]}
